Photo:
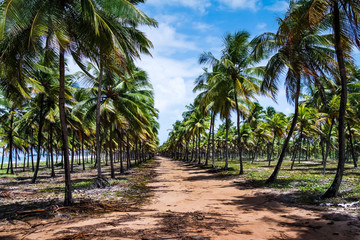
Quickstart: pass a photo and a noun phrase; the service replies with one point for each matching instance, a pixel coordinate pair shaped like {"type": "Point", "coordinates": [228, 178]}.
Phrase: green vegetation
{"type": "Point", "coordinates": [99, 116]}
{"type": "Point", "coordinates": [312, 52]}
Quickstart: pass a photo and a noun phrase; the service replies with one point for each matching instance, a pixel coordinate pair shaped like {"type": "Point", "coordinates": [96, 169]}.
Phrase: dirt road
{"type": "Point", "coordinates": [192, 204]}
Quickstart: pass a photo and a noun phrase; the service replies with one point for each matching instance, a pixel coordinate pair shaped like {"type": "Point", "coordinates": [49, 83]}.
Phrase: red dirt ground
{"type": "Point", "coordinates": [190, 203]}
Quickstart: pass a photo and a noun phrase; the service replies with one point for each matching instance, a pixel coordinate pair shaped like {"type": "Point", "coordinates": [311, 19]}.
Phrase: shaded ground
{"type": "Point", "coordinates": [190, 203]}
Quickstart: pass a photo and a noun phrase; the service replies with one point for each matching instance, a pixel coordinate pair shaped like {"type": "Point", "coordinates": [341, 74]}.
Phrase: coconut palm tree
{"type": "Point", "coordinates": [345, 24]}
{"type": "Point", "coordinates": [295, 49]}
{"type": "Point", "coordinates": [276, 124]}
{"type": "Point", "coordinates": [69, 24]}
{"type": "Point", "coordinates": [236, 66]}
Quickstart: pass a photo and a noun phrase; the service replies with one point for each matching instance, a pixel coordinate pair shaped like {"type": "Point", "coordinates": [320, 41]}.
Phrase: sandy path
{"type": "Point", "coordinates": [192, 204]}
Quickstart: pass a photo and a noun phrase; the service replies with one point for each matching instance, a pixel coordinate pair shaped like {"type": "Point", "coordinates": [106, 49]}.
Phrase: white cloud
{"type": "Point", "coordinates": [278, 6]}
{"type": "Point", "coordinates": [242, 4]}
{"type": "Point", "coordinates": [200, 5]}
{"type": "Point", "coordinates": [261, 25]}
{"type": "Point", "coordinates": [202, 26]}
{"type": "Point", "coordinates": [172, 80]}
{"type": "Point", "coordinates": [167, 41]}
{"type": "Point", "coordinates": [173, 83]}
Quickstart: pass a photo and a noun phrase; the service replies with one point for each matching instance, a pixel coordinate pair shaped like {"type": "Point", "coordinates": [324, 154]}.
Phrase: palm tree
{"type": "Point", "coordinates": [345, 26]}
{"type": "Point", "coordinates": [236, 66]}
{"type": "Point", "coordinates": [295, 50]}
{"type": "Point", "coordinates": [197, 122]}
{"type": "Point", "coordinates": [71, 24]}
{"type": "Point", "coordinates": [276, 124]}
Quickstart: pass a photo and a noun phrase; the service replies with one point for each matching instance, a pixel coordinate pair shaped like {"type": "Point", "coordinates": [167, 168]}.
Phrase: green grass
{"type": "Point", "coordinates": [306, 179]}
{"type": "Point", "coordinates": [82, 184]}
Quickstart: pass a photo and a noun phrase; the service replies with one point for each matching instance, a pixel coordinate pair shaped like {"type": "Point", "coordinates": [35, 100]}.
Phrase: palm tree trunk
{"type": "Point", "coordinates": [274, 175]}
{"type": "Point", "coordinates": [192, 152]}
{"type": "Point", "coordinates": [352, 146]}
{"type": "Point", "coordinates": [300, 145]}
{"type": "Point", "coordinates": [24, 161]}
{"type": "Point", "coordinates": [209, 138]}
{"type": "Point", "coordinates": [64, 135]}
{"type": "Point", "coordinates": [213, 144]}
{"type": "Point", "coordinates": [83, 154]}
{"type": "Point", "coordinates": [121, 155]}
{"type": "Point", "coordinates": [111, 155]}
{"type": "Point", "coordinates": [199, 138]}
{"type": "Point", "coordinates": [334, 188]}
{"type": "Point", "coordinates": [41, 122]}
{"type": "Point", "coordinates": [328, 143]}
{"type": "Point", "coordinates": [128, 165]}
{"type": "Point", "coordinates": [16, 157]}
{"type": "Point", "coordinates": [226, 144]}
{"type": "Point", "coordinates": [98, 104]}
{"type": "Point", "coordinates": [32, 150]}
{"type": "Point", "coordinates": [51, 152]}
{"type": "Point", "coordinates": [238, 132]}
{"type": "Point", "coordinates": [72, 152]}
{"type": "Point", "coordinates": [271, 151]}
{"type": "Point", "coordinates": [2, 158]}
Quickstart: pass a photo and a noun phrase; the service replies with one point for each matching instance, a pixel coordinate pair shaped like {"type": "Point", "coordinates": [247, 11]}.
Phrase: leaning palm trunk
{"type": "Point", "coordinates": [334, 188]}
{"type": "Point", "coordinates": [274, 175]}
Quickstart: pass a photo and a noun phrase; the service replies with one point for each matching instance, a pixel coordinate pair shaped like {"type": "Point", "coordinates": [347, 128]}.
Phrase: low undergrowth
{"type": "Point", "coordinates": [20, 199]}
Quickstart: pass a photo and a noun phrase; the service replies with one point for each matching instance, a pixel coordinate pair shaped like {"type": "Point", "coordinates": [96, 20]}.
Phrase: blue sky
{"type": "Point", "coordinates": [186, 29]}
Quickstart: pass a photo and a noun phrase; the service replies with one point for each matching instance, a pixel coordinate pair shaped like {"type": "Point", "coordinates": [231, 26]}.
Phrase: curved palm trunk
{"type": "Point", "coordinates": [64, 135]}
{"type": "Point", "coordinates": [274, 175]}
{"type": "Point", "coordinates": [98, 104]}
{"type": "Point", "coordinates": [334, 188]}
